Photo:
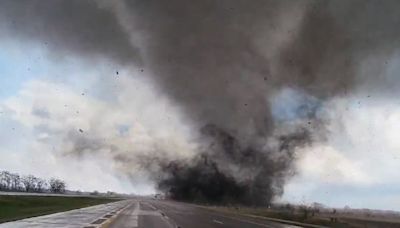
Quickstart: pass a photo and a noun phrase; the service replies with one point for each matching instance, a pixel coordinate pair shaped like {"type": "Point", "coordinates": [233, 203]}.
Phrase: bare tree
{"type": "Point", "coordinates": [29, 183]}
{"type": "Point", "coordinates": [41, 185]}
{"type": "Point", "coordinates": [5, 180]}
{"type": "Point", "coordinates": [57, 185]}
{"type": "Point", "coordinates": [2, 181]}
{"type": "Point", "coordinates": [15, 182]}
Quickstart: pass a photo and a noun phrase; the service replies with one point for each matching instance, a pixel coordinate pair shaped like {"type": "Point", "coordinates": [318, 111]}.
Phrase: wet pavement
{"type": "Point", "coordinates": [85, 217]}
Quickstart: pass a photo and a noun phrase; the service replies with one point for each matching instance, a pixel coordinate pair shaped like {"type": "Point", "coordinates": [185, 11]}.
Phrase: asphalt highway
{"type": "Point", "coordinates": [143, 213]}
{"type": "Point", "coordinates": [170, 214]}
{"type": "Point", "coordinates": [92, 217]}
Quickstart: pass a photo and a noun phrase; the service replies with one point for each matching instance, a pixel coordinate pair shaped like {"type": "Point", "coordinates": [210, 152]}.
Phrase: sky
{"type": "Point", "coordinates": [355, 167]}
{"type": "Point", "coordinates": [46, 100]}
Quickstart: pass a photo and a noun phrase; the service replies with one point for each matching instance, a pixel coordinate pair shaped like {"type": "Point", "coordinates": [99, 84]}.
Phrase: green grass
{"type": "Point", "coordinates": [19, 207]}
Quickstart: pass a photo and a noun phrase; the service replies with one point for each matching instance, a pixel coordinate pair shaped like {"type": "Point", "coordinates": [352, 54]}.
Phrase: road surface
{"type": "Point", "coordinates": [92, 217]}
{"type": "Point", "coordinates": [143, 213]}
{"type": "Point", "coordinates": [169, 214]}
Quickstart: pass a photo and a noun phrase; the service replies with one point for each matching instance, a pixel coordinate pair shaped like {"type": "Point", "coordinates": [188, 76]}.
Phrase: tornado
{"type": "Point", "coordinates": [223, 63]}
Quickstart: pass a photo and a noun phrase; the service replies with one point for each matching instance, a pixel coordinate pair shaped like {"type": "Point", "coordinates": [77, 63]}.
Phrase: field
{"type": "Point", "coordinates": [339, 219]}
{"type": "Point", "coordinates": [19, 207]}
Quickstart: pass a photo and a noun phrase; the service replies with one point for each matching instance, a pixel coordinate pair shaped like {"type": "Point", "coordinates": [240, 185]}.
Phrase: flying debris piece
{"type": "Point", "coordinates": [80, 130]}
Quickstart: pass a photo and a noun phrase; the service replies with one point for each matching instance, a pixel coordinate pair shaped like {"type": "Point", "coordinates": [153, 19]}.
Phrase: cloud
{"type": "Point", "coordinates": [63, 122]}
{"type": "Point", "coordinates": [357, 163]}
{"type": "Point", "coordinates": [325, 164]}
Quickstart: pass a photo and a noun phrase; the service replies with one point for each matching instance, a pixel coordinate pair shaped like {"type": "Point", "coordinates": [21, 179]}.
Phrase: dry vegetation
{"type": "Point", "coordinates": [316, 215]}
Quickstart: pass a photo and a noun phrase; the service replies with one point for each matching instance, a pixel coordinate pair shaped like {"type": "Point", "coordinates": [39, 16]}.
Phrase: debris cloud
{"type": "Point", "coordinates": [223, 62]}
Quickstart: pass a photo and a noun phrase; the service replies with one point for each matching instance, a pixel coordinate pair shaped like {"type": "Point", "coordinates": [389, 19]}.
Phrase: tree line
{"type": "Point", "coordinates": [29, 183]}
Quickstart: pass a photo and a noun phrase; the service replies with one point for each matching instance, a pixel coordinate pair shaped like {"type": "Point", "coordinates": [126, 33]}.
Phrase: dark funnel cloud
{"type": "Point", "coordinates": [222, 62]}
{"type": "Point", "coordinates": [227, 172]}
{"type": "Point", "coordinates": [207, 56]}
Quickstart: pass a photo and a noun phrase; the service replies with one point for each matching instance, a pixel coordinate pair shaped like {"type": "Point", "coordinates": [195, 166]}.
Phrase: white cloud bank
{"type": "Point", "coordinates": [76, 135]}
{"type": "Point", "coordinates": [358, 163]}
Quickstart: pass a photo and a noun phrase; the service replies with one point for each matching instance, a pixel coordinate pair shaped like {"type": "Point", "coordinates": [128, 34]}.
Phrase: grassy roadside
{"type": "Point", "coordinates": [19, 207]}
{"type": "Point", "coordinates": [267, 213]}
{"type": "Point", "coordinates": [317, 219]}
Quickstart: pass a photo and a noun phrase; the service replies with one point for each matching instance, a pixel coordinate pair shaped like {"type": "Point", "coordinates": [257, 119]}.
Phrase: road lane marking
{"type": "Point", "coordinates": [136, 210]}
{"type": "Point", "coordinates": [116, 213]}
{"type": "Point", "coordinates": [155, 211]}
{"type": "Point", "coordinates": [246, 221]}
{"type": "Point", "coordinates": [149, 205]}
{"type": "Point", "coordinates": [133, 221]}
{"type": "Point", "coordinates": [219, 222]}
{"type": "Point", "coordinates": [99, 221]}
{"type": "Point", "coordinates": [158, 212]}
